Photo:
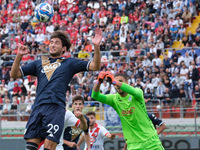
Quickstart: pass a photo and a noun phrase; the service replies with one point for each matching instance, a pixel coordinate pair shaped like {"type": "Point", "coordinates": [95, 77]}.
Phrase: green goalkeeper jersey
{"type": "Point", "coordinates": [136, 125]}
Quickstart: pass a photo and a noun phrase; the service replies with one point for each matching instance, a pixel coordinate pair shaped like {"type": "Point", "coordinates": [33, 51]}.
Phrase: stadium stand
{"type": "Point", "coordinates": [155, 42]}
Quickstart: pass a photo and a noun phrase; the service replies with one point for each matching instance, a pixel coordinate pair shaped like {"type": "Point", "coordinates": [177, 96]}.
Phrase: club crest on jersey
{"type": "Point", "coordinates": [128, 111]}
{"type": "Point", "coordinates": [50, 67]}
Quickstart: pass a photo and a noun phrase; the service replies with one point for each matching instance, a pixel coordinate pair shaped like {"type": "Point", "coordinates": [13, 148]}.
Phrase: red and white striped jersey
{"type": "Point", "coordinates": [97, 135]}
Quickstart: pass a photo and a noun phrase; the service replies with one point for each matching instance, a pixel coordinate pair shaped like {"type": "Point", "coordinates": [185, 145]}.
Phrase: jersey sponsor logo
{"type": "Point", "coordinates": [50, 67]}
{"type": "Point", "coordinates": [128, 111]}
{"type": "Point", "coordinates": [75, 132]}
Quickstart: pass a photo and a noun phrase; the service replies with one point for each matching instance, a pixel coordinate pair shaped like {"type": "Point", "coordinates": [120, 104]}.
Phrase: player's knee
{"type": "Point", "coordinates": [31, 146]}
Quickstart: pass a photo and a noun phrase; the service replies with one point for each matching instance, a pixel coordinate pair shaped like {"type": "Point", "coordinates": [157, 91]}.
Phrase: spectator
{"type": "Point", "coordinates": [14, 105]}
{"type": "Point", "coordinates": [148, 97]}
{"type": "Point", "coordinates": [181, 32]}
{"type": "Point", "coordinates": [16, 90]}
{"type": "Point", "coordinates": [83, 54]}
{"type": "Point", "coordinates": [187, 16]}
{"type": "Point", "coordinates": [168, 97]}
{"type": "Point", "coordinates": [192, 53]}
{"type": "Point", "coordinates": [174, 31]}
{"type": "Point", "coordinates": [187, 59]}
{"type": "Point", "coordinates": [188, 86]}
{"type": "Point", "coordinates": [6, 107]}
{"type": "Point", "coordinates": [160, 90]}
{"type": "Point", "coordinates": [183, 71]}
{"type": "Point", "coordinates": [166, 62]}
{"type": "Point", "coordinates": [196, 94]}
{"type": "Point", "coordinates": [174, 90]}
{"type": "Point", "coordinates": [195, 75]}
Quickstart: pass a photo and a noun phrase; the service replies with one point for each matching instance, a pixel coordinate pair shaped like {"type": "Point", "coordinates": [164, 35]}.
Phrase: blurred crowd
{"type": "Point", "coordinates": [135, 32]}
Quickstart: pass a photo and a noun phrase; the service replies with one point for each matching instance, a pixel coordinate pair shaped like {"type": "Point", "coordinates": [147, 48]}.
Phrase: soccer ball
{"type": "Point", "coordinates": [44, 12]}
{"type": "Point", "coordinates": [159, 107]}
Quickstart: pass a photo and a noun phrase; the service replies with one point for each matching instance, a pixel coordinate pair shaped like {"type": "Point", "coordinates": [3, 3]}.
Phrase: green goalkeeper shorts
{"type": "Point", "coordinates": [151, 144]}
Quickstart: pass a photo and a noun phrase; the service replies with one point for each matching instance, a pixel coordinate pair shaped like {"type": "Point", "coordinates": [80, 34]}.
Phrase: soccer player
{"type": "Point", "coordinates": [156, 122]}
{"type": "Point", "coordinates": [128, 102]}
{"type": "Point", "coordinates": [97, 133]}
{"type": "Point", "coordinates": [53, 75]}
{"type": "Point", "coordinates": [70, 120]}
{"type": "Point", "coordinates": [72, 133]}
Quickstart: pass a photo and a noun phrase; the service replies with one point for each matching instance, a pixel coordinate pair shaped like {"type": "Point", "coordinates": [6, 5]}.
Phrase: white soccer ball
{"type": "Point", "coordinates": [44, 12]}
{"type": "Point", "coordinates": [158, 107]}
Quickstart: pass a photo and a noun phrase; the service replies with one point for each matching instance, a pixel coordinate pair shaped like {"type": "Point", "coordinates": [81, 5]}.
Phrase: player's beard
{"type": "Point", "coordinates": [91, 124]}
{"type": "Point", "coordinates": [56, 54]}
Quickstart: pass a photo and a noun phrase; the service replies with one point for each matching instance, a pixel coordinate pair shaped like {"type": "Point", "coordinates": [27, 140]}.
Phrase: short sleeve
{"type": "Point", "coordinates": [104, 131]}
{"type": "Point", "coordinates": [30, 69]}
{"type": "Point", "coordinates": [71, 120]}
{"type": "Point", "coordinates": [155, 120]}
{"type": "Point", "coordinates": [80, 65]}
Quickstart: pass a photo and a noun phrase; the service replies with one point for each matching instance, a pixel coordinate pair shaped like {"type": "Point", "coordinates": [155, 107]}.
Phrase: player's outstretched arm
{"type": "Point", "coordinates": [15, 71]}
{"type": "Point", "coordinates": [161, 128]}
{"type": "Point", "coordinates": [87, 140]}
{"type": "Point", "coordinates": [81, 140]}
{"type": "Point", "coordinates": [96, 62]}
{"type": "Point", "coordinates": [96, 89]}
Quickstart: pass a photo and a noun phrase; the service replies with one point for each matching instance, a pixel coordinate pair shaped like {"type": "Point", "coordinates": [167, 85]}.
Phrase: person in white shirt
{"type": "Point", "coordinates": [157, 60]}
{"type": "Point", "coordinates": [180, 58]}
{"type": "Point", "coordinates": [50, 28]}
{"type": "Point", "coordinates": [104, 87]}
{"type": "Point", "coordinates": [187, 59]}
{"type": "Point", "coordinates": [97, 133]}
{"type": "Point", "coordinates": [146, 62]}
{"type": "Point", "coordinates": [70, 120]}
{"type": "Point", "coordinates": [111, 64]}
{"type": "Point", "coordinates": [183, 72]}
{"type": "Point", "coordinates": [40, 37]}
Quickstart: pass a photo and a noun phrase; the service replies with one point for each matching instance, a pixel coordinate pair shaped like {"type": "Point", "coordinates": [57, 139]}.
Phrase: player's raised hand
{"type": "Point", "coordinates": [96, 40]}
{"type": "Point", "coordinates": [101, 77]}
{"type": "Point", "coordinates": [22, 49]}
{"type": "Point", "coordinates": [110, 78]}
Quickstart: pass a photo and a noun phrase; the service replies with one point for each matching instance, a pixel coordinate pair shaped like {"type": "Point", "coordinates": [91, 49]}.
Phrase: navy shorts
{"type": "Point", "coordinates": [46, 121]}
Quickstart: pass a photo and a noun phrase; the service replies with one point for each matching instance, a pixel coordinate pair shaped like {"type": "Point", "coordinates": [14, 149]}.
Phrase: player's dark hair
{"type": "Point", "coordinates": [78, 98]}
{"type": "Point", "coordinates": [122, 75]}
{"type": "Point", "coordinates": [90, 113]}
{"type": "Point", "coordinates": [63, 37]}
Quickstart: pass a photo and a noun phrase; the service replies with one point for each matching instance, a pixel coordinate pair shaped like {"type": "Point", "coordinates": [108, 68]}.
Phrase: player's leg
{"type": "Point", "coordinates": [50, 145]}
{"type": "Point", "coordinates": [52, 124]}
{"type": "Point", "coordinates": [32, 144]}
{"type": "Point", "coordinates": [32, 130]}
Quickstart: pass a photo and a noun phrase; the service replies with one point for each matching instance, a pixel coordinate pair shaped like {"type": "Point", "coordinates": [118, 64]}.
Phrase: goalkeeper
{"type": "Point", "coordinates": [139, 132]}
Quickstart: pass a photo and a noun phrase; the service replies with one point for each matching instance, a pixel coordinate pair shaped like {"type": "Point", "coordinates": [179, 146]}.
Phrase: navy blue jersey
{"type": "Point", "coordinates": [155, 120]}
{"type": "Point", "coordinates": [53, 76]}
{"type": "Point", "coordinates": [73, 133]}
